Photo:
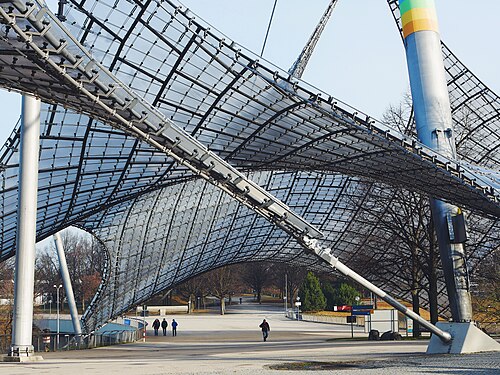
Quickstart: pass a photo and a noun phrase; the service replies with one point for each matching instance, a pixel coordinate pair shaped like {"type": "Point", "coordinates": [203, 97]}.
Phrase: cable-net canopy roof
{"type": "Point", "coordinates": [151, 110]}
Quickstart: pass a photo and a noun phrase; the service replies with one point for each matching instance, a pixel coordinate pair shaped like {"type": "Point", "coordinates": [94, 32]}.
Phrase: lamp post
{"type": "Point", "coordinates": [144, 309]}
{"type": "Point", "coordinates": [57, 303]}
{"type": "Point", "coordinates": [50, 308]}
{"type": "Point", "coordinates": [286, 292]}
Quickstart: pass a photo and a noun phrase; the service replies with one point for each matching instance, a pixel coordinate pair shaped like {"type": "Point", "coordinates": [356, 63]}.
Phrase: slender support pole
{"type": "Point", "coordinates": [286, 292]}
{"type": "Point", "coordinates": [58, 317]}
{"type": "Point", "coordinates": [435, 129]}
{"type": "Point", "coordinates": [342, 268]}
{"type": "Point", "coordinates": [24, 279]}
{"type": "Point", "coordinates": [143, 323]}
{"type": "Point", "coordinates": [63, 267]}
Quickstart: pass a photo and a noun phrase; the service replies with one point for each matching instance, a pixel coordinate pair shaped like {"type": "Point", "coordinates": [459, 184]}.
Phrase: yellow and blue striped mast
{"type": "Point", "coordinates": [435, 129]}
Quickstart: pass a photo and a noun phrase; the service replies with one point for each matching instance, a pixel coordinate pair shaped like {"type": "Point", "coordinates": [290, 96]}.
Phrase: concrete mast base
{"type": "Point", "coordinates": [466, 338]}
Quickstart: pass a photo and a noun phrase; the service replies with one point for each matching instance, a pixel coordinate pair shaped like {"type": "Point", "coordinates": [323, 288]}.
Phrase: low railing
{"type": "Point", "coordinates": [162, 310]}
{"type": "Point", "coordinates": [48, 342]}
{"type": "Point", "coordinates": [293, 314]}
{"type": "Point", "coordinates": [322, 318]}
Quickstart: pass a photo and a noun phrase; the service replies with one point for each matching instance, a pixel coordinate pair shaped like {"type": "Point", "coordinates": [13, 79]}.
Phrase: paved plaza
{"type": "Point", "coordinates": [232, 344]}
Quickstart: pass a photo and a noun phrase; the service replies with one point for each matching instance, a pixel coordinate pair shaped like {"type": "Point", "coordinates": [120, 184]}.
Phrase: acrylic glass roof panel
{"type": "Point", "coordinates": [342, 140]}
{"type": "Point", "coordinates": [200, 109]}
{"type": "Point", "coordinates": [85, 166]}
{"type": "Point", "coordinates": [284, 123]}
{"type": "Point", "coordinates": [264, 141]}
{"type": "Point", "coordinates": [190, 229]}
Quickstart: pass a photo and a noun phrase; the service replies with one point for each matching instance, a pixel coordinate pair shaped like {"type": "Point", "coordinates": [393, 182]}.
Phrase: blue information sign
{"type": "Point", "coordinates": [362, 307]}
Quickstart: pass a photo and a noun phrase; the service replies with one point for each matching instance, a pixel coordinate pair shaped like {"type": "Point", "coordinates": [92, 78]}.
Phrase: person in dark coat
{"type": "Point", "coordinates": [265, 329]}
{"type": "Point", "coordinates": [164, 326]}
{"type": "Point", "coordinates": [156, 326]}
{"type": "Point", "coordinates": [174, 327]}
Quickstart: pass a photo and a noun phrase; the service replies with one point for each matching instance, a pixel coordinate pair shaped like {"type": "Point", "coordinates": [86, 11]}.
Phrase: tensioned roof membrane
{"type": "Point", "coordinates": [159, 135]}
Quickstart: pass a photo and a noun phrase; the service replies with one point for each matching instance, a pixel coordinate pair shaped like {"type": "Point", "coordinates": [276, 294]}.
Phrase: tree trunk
{"type": "Point", "coordinates": [222, 306]}
{"type": "Point", "coordinates": [415, 290]}
{"type": "Point", "coordinates": [433, 292]}
{"type": "Point", "coordinates": [433, 297]}
{"type": "Point", "coordinates": [259, 296]}
{"type": "Point", "coordinates": [416, 309]}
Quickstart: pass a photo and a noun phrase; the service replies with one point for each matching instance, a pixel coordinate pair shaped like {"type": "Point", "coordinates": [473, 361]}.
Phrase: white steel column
{"type": "Point", "coordinates": [63, 267]}
{"type": "Point", "coordinates": [26, 229]}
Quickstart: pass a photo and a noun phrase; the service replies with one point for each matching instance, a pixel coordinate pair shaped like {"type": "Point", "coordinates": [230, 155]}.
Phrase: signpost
{"type": "Point", "coordinates": [409, 326]}
{"type": "Point", "coordinates": [358, 310]}
{"type": "Point", "coordinates": [361, 307]}
{"type": "Point", "coordinates": [342, 308]}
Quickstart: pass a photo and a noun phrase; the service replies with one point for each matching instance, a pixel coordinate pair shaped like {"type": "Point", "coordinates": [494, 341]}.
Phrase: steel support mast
{"type": "Point", "coordinates": [63, 268]}
{"type": "Point", "coordinates": [435, 129]}
{"type": "Point", "coordinates": [300, 64]}
{"type": "Point", "coordinates": [24, 279]}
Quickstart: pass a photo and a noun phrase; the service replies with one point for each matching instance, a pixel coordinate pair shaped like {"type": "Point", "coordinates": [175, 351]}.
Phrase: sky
{"type": "Point", "coordinates": [360, 58]}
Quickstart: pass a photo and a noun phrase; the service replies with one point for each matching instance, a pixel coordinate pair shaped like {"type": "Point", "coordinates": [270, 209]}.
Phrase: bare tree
{"type": "Point", "coordinates": [403, 229]}
{"type": "Point", "coordinates": [46, 274]}
{"type": "Point", "coordinates": [221, 283]}
{"type": "Point", "coordinates": [487, 292]}
{"type": "Point", "coordinates": [407, 220]}
{"type": "Point", "coordinates": [7, 294]}
{"type": "Point", "coordinates": [400, 116]}
{"type": "Point", "coordinates": [256, 275]}
{"type": "Point", "coordinates": [194, 289]}
{"type": "Point", "coordinates": [85, 260]}
{"type": "Point", "coordinates": [294, 275]}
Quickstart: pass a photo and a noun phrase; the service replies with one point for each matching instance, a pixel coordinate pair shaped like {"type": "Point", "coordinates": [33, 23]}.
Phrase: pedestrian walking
{"type": "Point", "coordinates": [265, 329]}
{"type": "Point", "coordinates": [164, 326]}
{"type": "Point", "coordinates": [156, 326]}
{"type": "Point", "coordinates": [174, 327]}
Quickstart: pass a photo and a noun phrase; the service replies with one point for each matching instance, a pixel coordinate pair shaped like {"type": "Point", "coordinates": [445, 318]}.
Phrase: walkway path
{"type": "Point", "coordinates": [232, 344]}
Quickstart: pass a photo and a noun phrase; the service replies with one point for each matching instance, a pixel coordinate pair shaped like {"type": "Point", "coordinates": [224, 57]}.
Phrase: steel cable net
{"type": "Point", "coordinates": [143, 205]}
